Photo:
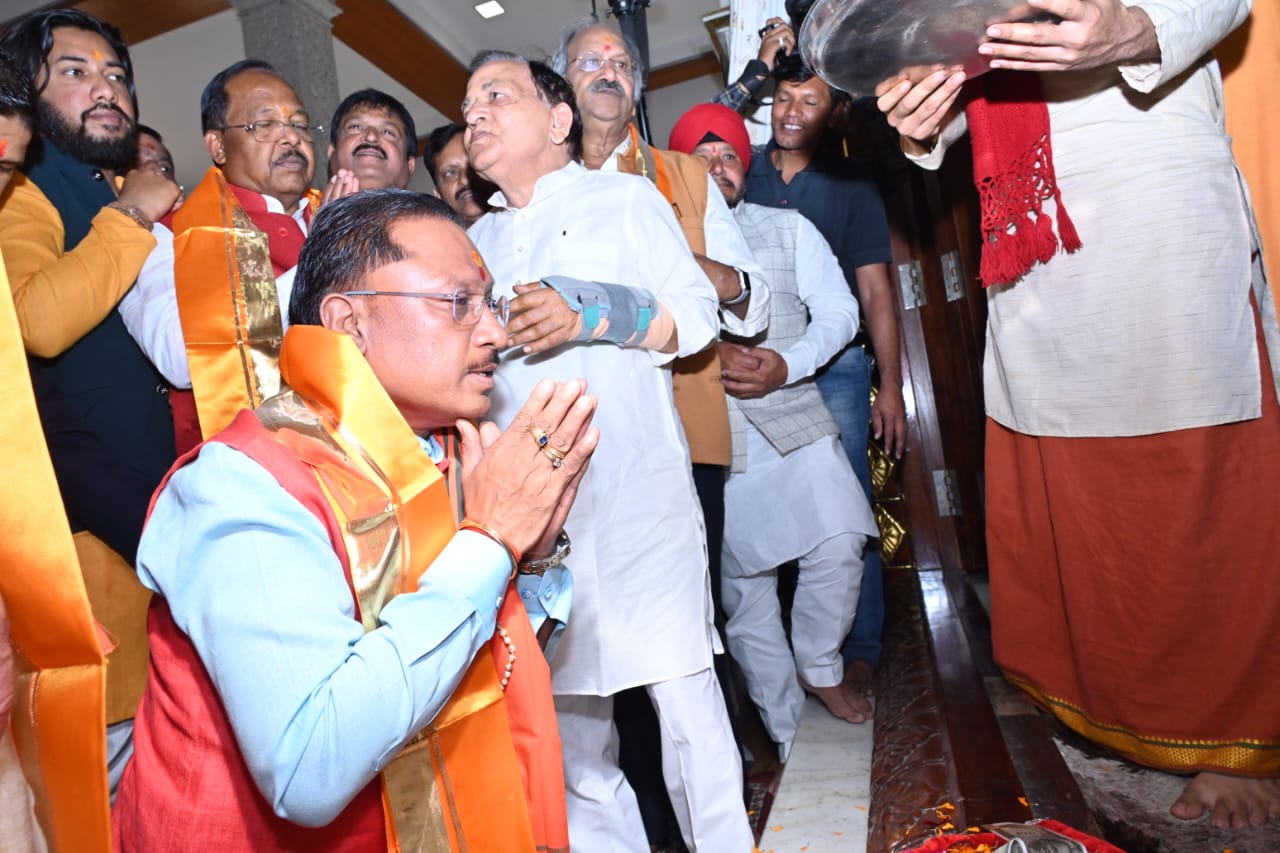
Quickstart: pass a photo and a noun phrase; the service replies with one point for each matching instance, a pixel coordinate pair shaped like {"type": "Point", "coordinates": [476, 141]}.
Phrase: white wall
{"type": "Point", "coordinates": [170, 72]}
{"type": "Point", "coordinates": [667, 104]}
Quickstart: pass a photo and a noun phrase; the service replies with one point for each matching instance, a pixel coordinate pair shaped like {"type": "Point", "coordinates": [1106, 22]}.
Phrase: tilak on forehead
{"type": "Point", "coordinates": [4, 146]}
{"type": "Point", "coordinates": [97, 55]}
{"type": "Point", "coordinates": [479, 262]}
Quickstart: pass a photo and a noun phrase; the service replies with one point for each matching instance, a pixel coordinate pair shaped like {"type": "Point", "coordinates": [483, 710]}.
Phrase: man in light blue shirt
{"type": "Point", "coordinates": [321, 671]}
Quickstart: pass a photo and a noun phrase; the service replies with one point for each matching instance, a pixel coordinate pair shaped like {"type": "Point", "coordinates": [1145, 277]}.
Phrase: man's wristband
{"type": "Point", "coordinates": [742, 297]}
{"type": "Point", "coordinates": [134, 213]}
{"type": "Point", "coordinates": [538, 567]}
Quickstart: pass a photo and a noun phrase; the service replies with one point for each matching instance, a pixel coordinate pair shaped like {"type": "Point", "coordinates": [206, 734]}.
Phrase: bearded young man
{"type": "Point", "coordinates": [75, 236]}
{"type": "Point", "coordinates": [75, 231]}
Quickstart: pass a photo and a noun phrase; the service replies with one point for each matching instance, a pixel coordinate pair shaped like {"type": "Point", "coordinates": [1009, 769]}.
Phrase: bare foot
{"type": "Point", "coordinates": [860, 677]}
{"type": "Point", "coordinates": [842, 702]}
{"type": "Point", "coordinates": [1231, 801]}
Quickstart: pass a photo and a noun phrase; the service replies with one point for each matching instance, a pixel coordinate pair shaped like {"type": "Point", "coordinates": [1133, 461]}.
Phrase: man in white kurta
{"type": "Point", "coordinates": [642, 608]}
{"type": "Point", "coordinates": [792, 494]}
{"type": "Point", "coordinates": [1149, 335]}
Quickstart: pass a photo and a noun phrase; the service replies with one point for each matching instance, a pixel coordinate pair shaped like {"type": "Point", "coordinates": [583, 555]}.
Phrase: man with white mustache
{"type": "Point", "coordinates": [239, 233]}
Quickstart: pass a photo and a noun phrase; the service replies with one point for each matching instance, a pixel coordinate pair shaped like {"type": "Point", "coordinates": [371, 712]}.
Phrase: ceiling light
{"type": "Point", "coordinates": [491, 9]}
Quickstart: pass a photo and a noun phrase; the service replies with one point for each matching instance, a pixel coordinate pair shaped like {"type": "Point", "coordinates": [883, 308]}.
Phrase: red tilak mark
{"type": "Point", "coordinates": [479, 262]}
{"type": "Point", "coordinates": [608, 45]}
{"type": "Point", "coordinates": [4, 146]}
{"type": "Point", "coordinates": [97, 56]}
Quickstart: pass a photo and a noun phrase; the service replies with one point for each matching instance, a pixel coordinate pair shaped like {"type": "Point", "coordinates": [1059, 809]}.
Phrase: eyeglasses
{"type": "Point", "coordinates": [593, 62]}
{"type": "Point", "coordinates": [272, 129]}
{"type": "Point", "coordinates": [467, 306]}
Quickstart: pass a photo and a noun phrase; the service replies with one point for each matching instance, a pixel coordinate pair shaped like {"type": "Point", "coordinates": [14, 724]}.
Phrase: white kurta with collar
{"type": "Point", "coordinates": [1148, 327]}
{"type": "Point", "coordinates": [642, 609]}
{"type": "Point", "coordinates": [150, 308]}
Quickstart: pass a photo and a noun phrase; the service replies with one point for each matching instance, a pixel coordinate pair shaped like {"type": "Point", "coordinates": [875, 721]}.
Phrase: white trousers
{"type": "Point", "coordinates": [700, 764]}
{"type": "Point", "coordinates": [19, 832]}
{"type": "Point", "coordinates": [827, 590]}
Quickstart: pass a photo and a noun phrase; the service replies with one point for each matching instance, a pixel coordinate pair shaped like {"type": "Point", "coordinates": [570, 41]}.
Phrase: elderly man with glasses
{"type": "Point", "coordinates": [209, 307]}
{"type": "Point", "coordinates": [341, 659]}
{"type": "Point", "coordinates": [604, 68]}
{"type": "Point", "coordinates": [605, 288]}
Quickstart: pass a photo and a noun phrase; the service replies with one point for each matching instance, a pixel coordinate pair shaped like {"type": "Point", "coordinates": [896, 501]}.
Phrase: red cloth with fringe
{"type": "Point", "coordinates": [1013, 171]}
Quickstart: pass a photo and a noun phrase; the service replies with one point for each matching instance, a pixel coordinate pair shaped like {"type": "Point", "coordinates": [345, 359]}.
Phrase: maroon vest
{"type": "Point", "coordinates": [187, 786]}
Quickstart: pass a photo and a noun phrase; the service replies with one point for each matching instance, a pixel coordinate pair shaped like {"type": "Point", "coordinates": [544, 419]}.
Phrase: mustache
{"type": "Point", "coordinates": [490, 362]}
{"type": "Point", "coordinates": [292, 152]}
{"type": "Point", "coordinates": [106, 107]}
{"type": "Point", "coordinates": [457, 196]}
{"type": "Point", "coordinates": [370, 146]}
{"type": "Point", "coordinates": [607, 86]}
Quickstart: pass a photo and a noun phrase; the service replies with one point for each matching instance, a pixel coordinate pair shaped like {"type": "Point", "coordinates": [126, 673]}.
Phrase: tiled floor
{"type": "Point", "coordinates": [821, 806]}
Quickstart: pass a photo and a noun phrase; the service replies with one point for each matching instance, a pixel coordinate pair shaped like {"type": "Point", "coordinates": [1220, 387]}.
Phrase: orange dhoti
{"type": "Point", "coordinates": [1135, 587]}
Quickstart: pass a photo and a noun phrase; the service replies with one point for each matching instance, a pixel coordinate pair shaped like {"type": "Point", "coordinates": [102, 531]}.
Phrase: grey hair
{"type": "Point", "coordinates": [551, 87]}
{"type": "Point", "coordinates": [560, 59]}
{"type": "Point", "coordinates": [484, 57]}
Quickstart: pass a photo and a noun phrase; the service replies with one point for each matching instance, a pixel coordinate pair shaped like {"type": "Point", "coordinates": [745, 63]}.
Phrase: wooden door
{"type": "Point", "coordinates": [930, 505]}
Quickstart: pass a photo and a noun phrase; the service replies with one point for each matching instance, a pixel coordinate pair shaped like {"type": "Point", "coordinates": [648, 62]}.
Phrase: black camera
{"type": "Point", "coordinates": [764, 31]}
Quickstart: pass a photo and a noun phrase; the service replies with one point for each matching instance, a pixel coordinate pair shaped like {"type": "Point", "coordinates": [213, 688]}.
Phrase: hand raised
{"type": "Point", "coordinates": [918, 109]}
{"type": "Point", "coordinates": [516, 487]}
{"type": "Point", "coordinates": [342, 184]}
{"type": "Point", "coordinates": [151, 191]}
{"type": "Point", "coordinates": [777, 39]}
